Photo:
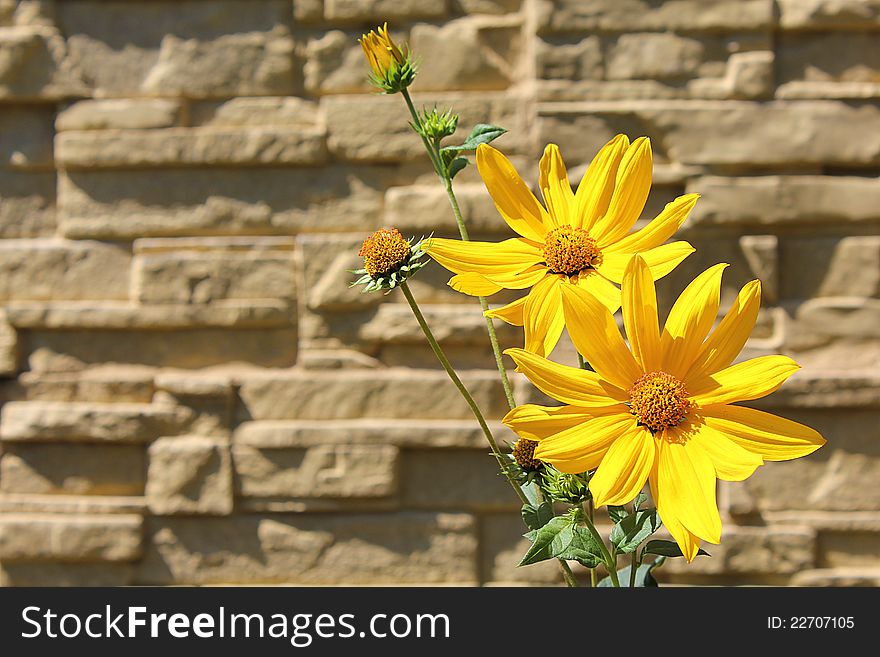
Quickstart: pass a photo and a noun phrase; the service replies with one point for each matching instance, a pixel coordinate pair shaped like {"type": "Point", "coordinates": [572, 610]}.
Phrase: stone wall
{"type": "Point", "coordinates": [191, 394]}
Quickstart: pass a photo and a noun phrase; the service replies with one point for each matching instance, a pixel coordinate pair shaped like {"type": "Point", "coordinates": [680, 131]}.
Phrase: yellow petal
{"type": "Point", "coordinates": [601, 288]}
{"type": "Point", "coordinates": [509, 257]}
{"type": "Point", "coordinates": [687, 541]}
{"type": "Point", "coordinates": [474, 284]}
{"type": "Point", "coordinates": [690, 320]}
{"type": "Point", "coordinates": [686, 479]}
{"type": "Point", "coordinates": [597, 186]}
{"type": "Point", "coordinates": [630, 193]}
{"type": "Point", "coordinates": [660, 229]}
{"type": "Point", "coordinates": [732, 462]}
{"type": "Point", "coordinates": [512, 313]}
{"type": "Point", "coordinates": [596, 337]}
{"type": "Point", "coordinates": [536, 422]}
{"type": "Point", "coordinates": [570, 385]}
{"type": "Point", "coordinates": [625, 467]}
{"type": "Point", "coordinates": [521, 280]}
{"type": "Point", "coordinates": [555, 187]}
{"type": "Point", "coordinates": [728, 338]}
{"type": "Point", "coordinates": [640, 314]}
{"type": "Point", "coordinates": [542, 316]}
{"type": "Point", "coordinates": [588, 439]}
{"type": "Point", "coordinates": [773, 438]}
{"type": "Point", "coordinates": [514, 200]}
{"type": "Point", "coordinates": [661, 260]}
{"type": "Point", "coordinates": [751, 379]}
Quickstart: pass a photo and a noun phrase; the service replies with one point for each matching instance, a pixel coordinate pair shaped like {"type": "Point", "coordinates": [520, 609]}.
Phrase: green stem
{"type": "Point", "coordinates": [567, 575]}
{"type": "Point", "coordinates": [444, 361]}
{"type": "Point", "coordinates": [432, 152]}
{"type": "Point", "coordinates": [490, 326]}
{"type": "Point", "coordinates": [607, 557]}
{"type": "Point", "coordinates": [632, 570]}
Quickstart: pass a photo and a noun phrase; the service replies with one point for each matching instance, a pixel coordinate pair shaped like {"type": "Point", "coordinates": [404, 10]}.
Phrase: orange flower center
{"type": "Point", "coordinates": [384, 251]}
{"type": "Point", "coordinates": [659, 400]}
{"type": "Point", "coordinates": [524, 454]}
{"type": "Point", "coordinates": [569, 250]}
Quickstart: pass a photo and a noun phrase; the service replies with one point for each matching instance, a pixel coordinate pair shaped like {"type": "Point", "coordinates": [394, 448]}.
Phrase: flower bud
{"type": "Point", "coordinates": [389, 259]}
{"type": "Point", "coordinates": [393, 69]}
{"type": "Point", "coordinates": [437, 125]}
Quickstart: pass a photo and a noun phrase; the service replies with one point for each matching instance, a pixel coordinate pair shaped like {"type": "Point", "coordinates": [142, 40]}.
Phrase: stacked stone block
{"type": "Point", "coordinates": [192, 394]}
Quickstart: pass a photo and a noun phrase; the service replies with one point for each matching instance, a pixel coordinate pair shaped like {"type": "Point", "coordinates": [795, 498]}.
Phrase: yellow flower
{"type": "Point", "coordinates": [579, 240]}
{"type": "Point", "coordinates": [661, 410]}
{"type": "Point", "coordinates": [393, 70]}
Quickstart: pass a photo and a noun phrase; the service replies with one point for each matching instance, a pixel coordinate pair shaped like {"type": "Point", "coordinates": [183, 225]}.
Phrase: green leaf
{"type": "Point", "coordinates": [536, 517]}
{"type": "Point", "coordinates": [617, 513]}
{"type": "Point", "coordinates": [668, 549]}
{"type": "Point", "coordinates": [482, 133]}
{"type": "Point", "coordinates": [583, 548]}
{"type": "Point", "coordinates": [628, 534]}
{"type": "Point", "coordinates": [640, 499]}
{"type": "Point", "coordinates": [644, 578]}
{"type": "Point", "coordinates": [457, 165]}
{"type": "Point", "coordinates": [552, 538]}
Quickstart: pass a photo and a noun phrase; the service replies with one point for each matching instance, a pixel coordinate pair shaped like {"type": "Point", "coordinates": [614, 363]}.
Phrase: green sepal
{"type": "Point", "coordinates": [668, 549]}
{"type": "Point", "coordinates": [629, 533]}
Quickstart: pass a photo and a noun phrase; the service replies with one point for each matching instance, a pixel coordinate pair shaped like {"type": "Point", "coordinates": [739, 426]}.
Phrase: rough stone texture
{"type": "Point", "coordinates": [70, 538]}
{"type": "Point", "coordinates": [406, 548]}
{"type": "Point", "coordinates": [184, 187]}
{"type": "Point", "coordinates": [189, 475]}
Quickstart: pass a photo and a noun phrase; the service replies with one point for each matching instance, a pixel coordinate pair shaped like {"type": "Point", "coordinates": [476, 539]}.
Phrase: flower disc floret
{"type": "Point", "coordinates": [568, 250]}
{"type": "Point", "coordinates": [524, 454]}
{"type": "Point", "coordinates": [659, 401]}
{"type": "Point", "coordinates": [384, 251]}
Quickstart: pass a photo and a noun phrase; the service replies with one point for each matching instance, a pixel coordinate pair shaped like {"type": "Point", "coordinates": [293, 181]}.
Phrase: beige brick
{"type": "Point", "coordinates": [656, 56]}
{"type": "Point", "coordinates": [838, 577]}
{"type": "Point", "coordinates": [65, 574]}
{"type": "Point", "coordinates": [627, 15]}
{"type": "Point", "coordinates": [35, 269]}
{"type": "Point", "coordinates": [321, 471]}
{"type": "Point", "coordinates": [486, 6]}
{"type": "Point", "coordinates": [848, 57]}
{"type": "Point", "coordinates": [570, 59]}
{"type": "Point", "coordinates": [474, 55]}
{"type": "Point", "coordinates": [734, 133]}
{"type": "Point", "coordinates": [189, 475]}
{"type": "Point", "coordinates": [853, 268]}
{"type": "Point", "coordinates": [455, 479]}
{"type": "Point", "coordinates": [786, 200]}
{"type": "Point", "coordinates": [382, 10]}
{"type": "Point", "coordinates": [58, 505]}
{"type": "Point", "coordinates": [25, 137]}
{"type": "Point", "coordinates": [34, 65]}
{"type": "Point", "coordinates": [316, 395]}
{"type": "Point", "coordinates": [89, 422]}
{"type": "Point", "coordinates": [308, 11]}
{"type": "Point", "coordinates": [106, 383]}
{"type": "Point", "coordinates": [119, 113]}
{"type": "Point", "coordinates": [109, 538]}
{"type": "Point", "coordinates": [335, 64]}
{"type": "Point", "coordinates": [848, 549]}
{"type": "Point", "coordinates": [852, 317]}
{"type": "Point", "coordinates": [422, 209]}
{"type": "Point", "coordinates": [8, 347]}
{"type": "Point", "coordinates": [132, 204]}
{"type": "Point", "coordinates": [288, 111]}
{"type": "Point", "coordinates": [85, 149]}
{"type": "Point", "coordinates": [186, 48]}
{"type": "Point", "coordinates": [58, 350]}
{"type": "Point", "coordinates": [753, 550]}
{"type": "Point", "coordinates": [406, 548]}
{"type": "Point", "coordinates": [110, 315]}
{"type": "Point", "coordinates": [205, 277]}
{"type": "Point", "coordinates": [502, 546]}
{"type": "Point", "coordinates": [290, 434]}
{"type": "Point", "coordinates": [762, 254]}
{"type": "Point", "coordinates": [72, 469]}
{"type": "Point", "coordinates": [829, 14]}
{"type": "Point", "coordinates": [28, 207]}
{"type": "Point", "coordinates": [837, 389]}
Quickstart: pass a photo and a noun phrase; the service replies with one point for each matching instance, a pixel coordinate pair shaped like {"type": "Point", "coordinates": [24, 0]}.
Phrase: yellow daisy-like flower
{"type": "Point", "coordinates": [381, 51]}
{"type": "Point", "coordinates": [661, 410]}
{"type": "Point", "coordinates": [580, 239]}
